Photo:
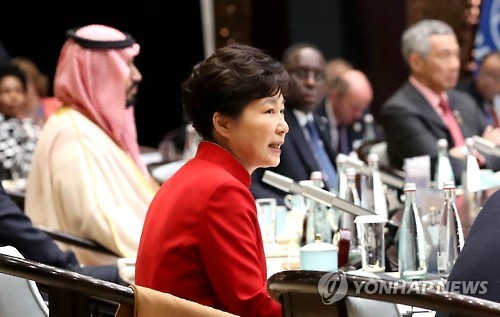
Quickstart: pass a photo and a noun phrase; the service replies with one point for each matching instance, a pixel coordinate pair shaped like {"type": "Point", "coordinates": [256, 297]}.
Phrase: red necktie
{"type": "Point", "coordinates": [451, 123]}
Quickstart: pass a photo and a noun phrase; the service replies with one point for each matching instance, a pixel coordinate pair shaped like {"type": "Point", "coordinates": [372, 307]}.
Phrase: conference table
{"type": "Point", "coordinates": [318, 293]}
{"type": "Point", "coordinates": [282, 258]}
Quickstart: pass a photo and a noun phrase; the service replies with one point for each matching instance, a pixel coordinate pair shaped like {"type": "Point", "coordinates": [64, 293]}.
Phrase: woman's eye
{"type": "Point", "coordinates": [270, 111]}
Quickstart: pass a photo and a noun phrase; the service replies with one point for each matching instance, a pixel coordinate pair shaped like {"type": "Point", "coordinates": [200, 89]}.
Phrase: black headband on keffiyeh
{"type": "Point", "coordinates": [102, 45]}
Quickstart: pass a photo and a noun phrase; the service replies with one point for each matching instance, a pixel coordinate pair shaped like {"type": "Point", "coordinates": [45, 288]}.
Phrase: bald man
{"type": "Point", "coordinates": [348, 98]}
{"type": "Point", "coordinates": [334, 68]}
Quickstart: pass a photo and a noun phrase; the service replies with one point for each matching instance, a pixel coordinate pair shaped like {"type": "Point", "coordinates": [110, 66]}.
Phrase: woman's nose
{"type": "Point", "coordinates": [283, 126]}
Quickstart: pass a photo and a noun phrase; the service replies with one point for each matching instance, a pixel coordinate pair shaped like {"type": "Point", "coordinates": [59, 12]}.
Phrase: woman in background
{"type": "Point", "coordinates": [201, 240]}
{"type": "Point", "coordinates": [39, 105]}
{"type": "Point", "coordinates": [18, 136]}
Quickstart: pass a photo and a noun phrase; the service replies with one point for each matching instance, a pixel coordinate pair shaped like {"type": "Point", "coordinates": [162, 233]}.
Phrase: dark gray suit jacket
{"type": "Point", "coordinates": [296, 161]}
{"type": "Point", "coordinates": [412, 127]}
{"type": "Point", "coordinates": [478, 261]}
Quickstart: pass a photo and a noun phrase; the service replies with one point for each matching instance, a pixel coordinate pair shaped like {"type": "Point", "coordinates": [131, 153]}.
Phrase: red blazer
{"type": "Point", "coordinates": [201, 239]}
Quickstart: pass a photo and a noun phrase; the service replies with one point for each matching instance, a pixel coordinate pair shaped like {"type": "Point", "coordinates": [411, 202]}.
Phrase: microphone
{"type": "Point", "coordinates": [486, 146]}
{"type": "Point", "coordinates": [360, 166]}
{"type": "Point", "coordinates": [320, 195]}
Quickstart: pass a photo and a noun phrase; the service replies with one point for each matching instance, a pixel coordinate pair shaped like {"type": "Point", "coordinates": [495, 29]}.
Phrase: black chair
{"type": "Point", "coordinates": [69, 293]}
{"type": "Point", "coordinates": [74, 240]}
{"type": "Point", "coordinates": [76, 295]}
{"type": "Point", "coordinates": [300, 295]}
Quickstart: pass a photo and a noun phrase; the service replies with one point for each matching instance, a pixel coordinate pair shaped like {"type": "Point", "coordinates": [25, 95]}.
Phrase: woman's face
{"type": "Point", "coordinates": [12, 95]}
{"type": "Point", "coordinates": [255, 138]}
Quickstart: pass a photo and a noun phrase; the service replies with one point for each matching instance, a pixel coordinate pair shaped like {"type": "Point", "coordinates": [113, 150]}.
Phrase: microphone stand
{"type": "Point", "coordinates": [386, 178]}
{"type": "Point", "coordinates": [320, 195]}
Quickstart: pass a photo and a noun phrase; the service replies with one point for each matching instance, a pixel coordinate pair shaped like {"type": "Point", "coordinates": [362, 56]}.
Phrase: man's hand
{"type": "Point", "coordinates": [492, 134]}
{"type": "Point", "coordinates": [460, 152]}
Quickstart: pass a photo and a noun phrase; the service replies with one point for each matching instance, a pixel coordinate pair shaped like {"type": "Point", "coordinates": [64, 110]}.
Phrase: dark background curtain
{"type": "Point", "coordinates": [365, 32]}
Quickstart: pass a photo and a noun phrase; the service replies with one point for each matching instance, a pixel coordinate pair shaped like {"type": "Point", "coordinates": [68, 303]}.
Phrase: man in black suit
{"type": "Point", "coordinates": [485, 87]}
{"type": "Point", "coordinates": [414, 117]}
{"type": "Point", "coordinates": [348, 99]}
{"type": "Point", "coordinates": [17, 230]}
{"type": "Point", "coordinates": [306, 65]}
{"type": "Point", "coordinates": [477, 263]}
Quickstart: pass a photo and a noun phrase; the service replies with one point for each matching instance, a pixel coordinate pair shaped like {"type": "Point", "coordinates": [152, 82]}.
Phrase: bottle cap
{"type": "Point", "coordinates": [373, 157]}
{"type": "Point", "coordinates": [442, 143]}
{"type": "Point", "coordinates": [368, 118]}
{"type": "Point", "coordinates": [410, 187]}
{"type": "Point", "coordinates": [341, 159]}
{"type": "Point", "coordinates": [316, 175]}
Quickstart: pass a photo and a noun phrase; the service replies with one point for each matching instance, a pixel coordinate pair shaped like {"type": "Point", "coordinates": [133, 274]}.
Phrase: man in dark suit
{"type": "Point", "coordinates": [426, 108]}
{"type": "Point", "coordinates": [306, 64]}
{"type": "Point", "coordinates": [348, 99]}
{"type": "Point", "coordinates": [475, 271]}
{"type": "Point", "coordinates": [17, 230]}
{"type": "Point", "coordinates": [485, 87]}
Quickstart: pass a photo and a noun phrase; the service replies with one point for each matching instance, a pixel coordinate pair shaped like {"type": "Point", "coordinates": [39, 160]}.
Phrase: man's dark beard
{"type": "Point", "coordinates": [132, 99]}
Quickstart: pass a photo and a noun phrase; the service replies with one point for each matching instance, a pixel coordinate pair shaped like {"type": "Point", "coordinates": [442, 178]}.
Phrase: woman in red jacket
{"type": "Point", "coordinates": [201, 240]}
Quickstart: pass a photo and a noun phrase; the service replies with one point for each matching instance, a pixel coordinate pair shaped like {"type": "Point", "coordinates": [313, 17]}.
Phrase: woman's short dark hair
{"type": "Point", "coordinates": [13, 70]}
{"type": "Point", "coordinates": [227, 81]}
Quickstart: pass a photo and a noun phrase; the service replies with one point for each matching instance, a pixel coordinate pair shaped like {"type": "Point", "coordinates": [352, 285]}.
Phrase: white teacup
{"type": "Point", "coordinates": [319, 256]}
